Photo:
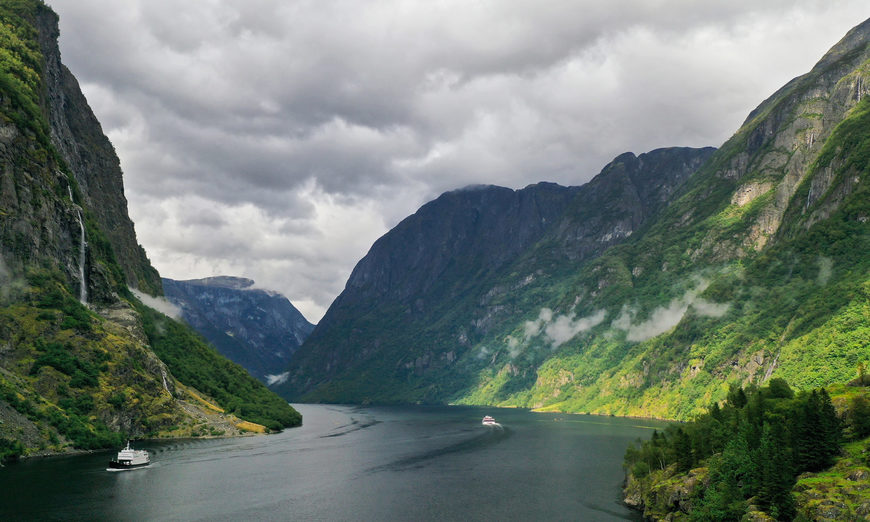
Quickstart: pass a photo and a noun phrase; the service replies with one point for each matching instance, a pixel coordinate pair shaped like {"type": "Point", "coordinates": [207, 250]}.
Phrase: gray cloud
{"type": "Point", "coordinates": [307, 129]}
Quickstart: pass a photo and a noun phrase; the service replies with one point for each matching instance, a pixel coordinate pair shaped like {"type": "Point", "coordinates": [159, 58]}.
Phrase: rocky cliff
{"type": "Point", "coordinates": [630, 297]}
{"type": "Point", "coordinates": [78, 137]}
{"type": "Point", "coordinates": [255, 328]}
{"type": "Point", "coordinates": [83, 363]}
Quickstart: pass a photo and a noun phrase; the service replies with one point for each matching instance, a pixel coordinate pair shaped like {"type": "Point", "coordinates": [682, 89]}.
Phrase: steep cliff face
{"type": "Point", "coordinates": [257, 329]}
{"type": "Point", "coordinates": [423, 294]}
{"type": "Point", "coordinates": [78, 137]}
{"type": "Point", "coordinates": [82, 362]}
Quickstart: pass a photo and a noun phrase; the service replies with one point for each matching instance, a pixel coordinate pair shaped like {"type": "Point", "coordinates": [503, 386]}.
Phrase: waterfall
{"type": "Point", "coordinates": [165, 387]}
{"type": "Point", "coordinates": [83, 284]}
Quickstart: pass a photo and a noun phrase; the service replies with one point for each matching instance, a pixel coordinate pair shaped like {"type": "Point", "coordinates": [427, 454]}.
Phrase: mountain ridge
{"type": "Point", "coordinates": [480, 232]}
{"type": "Point", "coordinates": [256, 328]}
{"type": "Point", "coordinates": [752, 270]}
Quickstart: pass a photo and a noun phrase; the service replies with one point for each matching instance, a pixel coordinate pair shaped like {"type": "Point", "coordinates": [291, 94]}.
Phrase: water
{"type": "Point", "coordinates": [351, 463]}
{"type": "Point", "coordinates": [83, 284]}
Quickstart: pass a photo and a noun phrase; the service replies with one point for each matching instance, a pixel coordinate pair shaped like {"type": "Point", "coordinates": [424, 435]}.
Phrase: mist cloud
{"type": "Point", "coordinates": [664, 318]}
{"type": "Point", "coordinates": [554, 330]}
{"type": "Point", "coordinates": [160, 304]}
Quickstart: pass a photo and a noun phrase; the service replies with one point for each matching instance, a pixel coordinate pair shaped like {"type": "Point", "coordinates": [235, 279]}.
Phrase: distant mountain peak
{"type": "Point", "coordinates": [258, 329]}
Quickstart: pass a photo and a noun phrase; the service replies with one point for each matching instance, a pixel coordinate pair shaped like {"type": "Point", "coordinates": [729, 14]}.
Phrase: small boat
{"type": "Point", "coordinates": [489, 421]}
{"type": "Point", "coordinates": [129, 458]}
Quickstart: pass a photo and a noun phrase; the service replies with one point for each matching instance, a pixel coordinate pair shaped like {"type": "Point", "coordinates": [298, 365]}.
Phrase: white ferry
{"type": "Point", "coordinates": [489, 421]}
{"type": "Point", "coordinates": [129, 458]}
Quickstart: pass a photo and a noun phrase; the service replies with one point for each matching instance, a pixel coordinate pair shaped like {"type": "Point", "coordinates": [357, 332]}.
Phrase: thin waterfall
{"type": "Point", "coordinates": [83, 284]}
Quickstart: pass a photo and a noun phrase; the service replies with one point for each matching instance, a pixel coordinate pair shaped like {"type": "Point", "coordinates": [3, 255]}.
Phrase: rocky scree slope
{"type": "Point", "coordinates": [255, 328]}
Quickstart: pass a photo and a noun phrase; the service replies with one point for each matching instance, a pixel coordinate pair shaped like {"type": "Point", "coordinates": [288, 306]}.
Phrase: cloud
{"type": "Point", "coordinates": [160, 304]}
{"type": "Point", "coordinates": [284, 117]}
{"type": "Point", "coordinates": [280, 378]}
{"type": "Point", "coordinates": [663, 318]}
{"type": "Point", "coordinates": [826, 270]}
{"type": "Point", "coordinates": [556, 330]}
{"type": "Point", "coordinates": [566, 327]}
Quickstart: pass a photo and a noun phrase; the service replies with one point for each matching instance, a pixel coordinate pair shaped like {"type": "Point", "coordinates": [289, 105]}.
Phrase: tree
{"type": "Point", "coordinates": [683, 450]}
{"type": "Point", "coordinates": [776, 476]}
{"type": "Point", "coordinates": [859, 417]}
{"type": "Point", "coordinates": [779, 389]}
{"type": "Point", "coordinates": [736, 396]}
{"type": "Point", "coordinates": [817, 432]}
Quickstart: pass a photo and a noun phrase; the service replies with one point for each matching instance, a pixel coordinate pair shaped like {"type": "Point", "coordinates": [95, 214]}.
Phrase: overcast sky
{"type": "Point", "coordinates": [276, 140]}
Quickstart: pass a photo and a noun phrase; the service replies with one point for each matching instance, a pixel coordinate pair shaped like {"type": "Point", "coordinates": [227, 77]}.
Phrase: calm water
{"type": "Point", "coordinates": [352, 463]}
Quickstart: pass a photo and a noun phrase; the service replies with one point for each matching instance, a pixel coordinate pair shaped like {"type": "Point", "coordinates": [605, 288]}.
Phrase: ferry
{"type": "Point", "coordinates": [489, 421]}
{"type": "Point", "coordinates": [129, 458]}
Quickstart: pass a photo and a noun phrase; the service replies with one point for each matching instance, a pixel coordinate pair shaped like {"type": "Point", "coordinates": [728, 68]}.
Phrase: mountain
{"type": "Point", "coordinates": [638, 302]}
{"type": "Point", "coordinates": [433, 287]}
{"type": "Point", "coordinates": [255, 328]}
{"type": "Point", "coordinates": [83, 362]}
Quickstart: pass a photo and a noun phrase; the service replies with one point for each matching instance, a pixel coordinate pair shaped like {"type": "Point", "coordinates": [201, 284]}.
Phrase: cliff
{"type": "Point", "coordinates": [83, 363]}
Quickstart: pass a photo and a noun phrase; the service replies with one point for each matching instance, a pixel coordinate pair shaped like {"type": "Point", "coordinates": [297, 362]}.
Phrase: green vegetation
{"type": "Point", "coordinates": [752, 449]}
{"type": "Point", "coordinates": [78, 376]}
{"type": "Point", "coordinates": [10, 450]}
{"type": "Point", "coordinates": [197, 364]}
{"type": "Point", "coordinates": [21, 65]}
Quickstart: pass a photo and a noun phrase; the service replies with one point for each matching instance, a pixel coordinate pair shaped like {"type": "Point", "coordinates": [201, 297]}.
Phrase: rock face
{"type": "Point", "coordinates": [46, 199]}
{"type": "Point", "coordinates": [453, 249]}
{"type": "Point", "coordinates": [83, 363]}
{"type": "Point", "coordinates": [78, 136]}
{"type": "Point", "coordinates": [257, 329]}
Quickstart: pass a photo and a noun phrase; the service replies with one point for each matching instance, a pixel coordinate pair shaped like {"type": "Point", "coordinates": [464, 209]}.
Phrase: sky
{"type": "Point", "coordinates": [278, 139]}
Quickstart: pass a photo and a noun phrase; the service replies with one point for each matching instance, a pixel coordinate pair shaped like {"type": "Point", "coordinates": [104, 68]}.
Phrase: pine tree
{"type": "Point", "coordinates": [807, 430]}
{"type": "Point", "coordinates": [832, 432]}
{"type": "Point", "coordinates": [736, 396]}
{"type": "Point", "coordinates": [817, 433]}
{"type": "Point", "coordinates": [859, 417]}
{"type": "Point", "coordinates": [683, 451]}
{"type": "Point", "coordinates": [776, 476]}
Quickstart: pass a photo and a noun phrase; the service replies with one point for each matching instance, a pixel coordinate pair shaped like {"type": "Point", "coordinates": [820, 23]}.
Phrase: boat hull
{"type": "Point", "coordinates": [123, 466]}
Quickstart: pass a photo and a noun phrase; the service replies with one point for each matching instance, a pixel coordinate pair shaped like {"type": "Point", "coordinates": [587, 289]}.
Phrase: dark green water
{"type": "Point", "coordinates": [352, 463]}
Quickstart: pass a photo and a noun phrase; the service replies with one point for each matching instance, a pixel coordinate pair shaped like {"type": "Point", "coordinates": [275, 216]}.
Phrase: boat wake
{"type": "Point", "coordinates": [476, 443]}
{"type": "Point", "coordinates": [355, 425]}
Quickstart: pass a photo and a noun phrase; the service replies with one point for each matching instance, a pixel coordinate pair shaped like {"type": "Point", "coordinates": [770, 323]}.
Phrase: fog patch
{"type": "Point", "coordinates": [281, 378]}
{"type": "Point", "coordinates": [8, 282]}
{"type": "Point", "coordinates": [161, 304]}
{"type": "Point", "coordinates": [514, 347]}
{"type": "Point", "coordinates": [623, 321]}
{"type": "Point", "coordinates": [826, 269]}
{"type": "Point", "coordinates": [565, 327]}
{"type": "Point", "coordinates": [556, 330]}
{"type": "Point", "coordinates": [664, 318]}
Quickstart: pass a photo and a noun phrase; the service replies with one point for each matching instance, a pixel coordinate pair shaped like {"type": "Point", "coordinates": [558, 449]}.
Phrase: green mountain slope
{"type": "Point", "coordinates": [83, 363]}
{"type": "Point", "coordinates": [755, 267]}
{"type": "Point", "coordinates": [452, 274]}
